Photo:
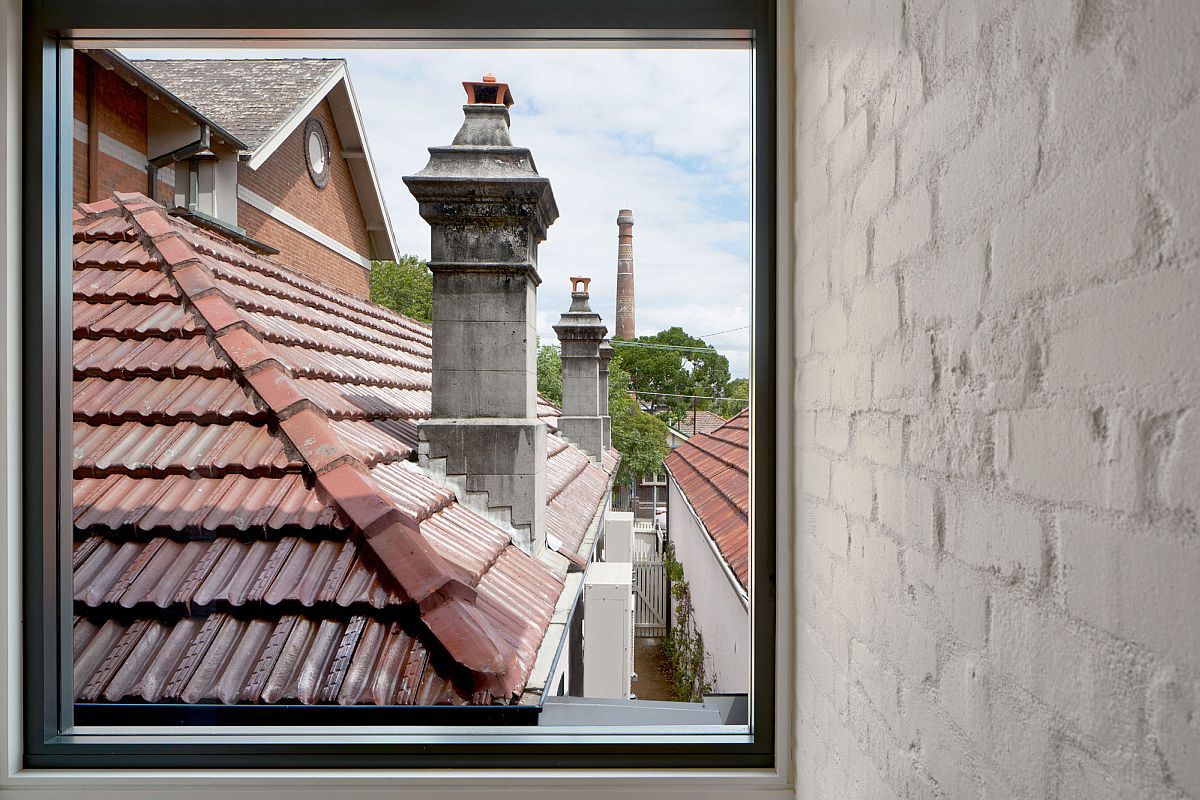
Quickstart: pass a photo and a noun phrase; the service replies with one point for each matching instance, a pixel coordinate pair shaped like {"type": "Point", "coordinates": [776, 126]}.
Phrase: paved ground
{"type": "Point", "coordinates": [647, 663]}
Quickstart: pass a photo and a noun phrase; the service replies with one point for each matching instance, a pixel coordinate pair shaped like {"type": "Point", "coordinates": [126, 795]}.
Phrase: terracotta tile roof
{"type": "Point", "coordinates": [700, 422]}
{"type": "Point", "coordinates": [712, 472]}
{"type": "Point", "coordinates": [249, 525]}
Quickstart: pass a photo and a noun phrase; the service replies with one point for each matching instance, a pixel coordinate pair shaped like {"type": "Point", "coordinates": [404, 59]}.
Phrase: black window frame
{"type": "Point", "coordinates": [51, 30]}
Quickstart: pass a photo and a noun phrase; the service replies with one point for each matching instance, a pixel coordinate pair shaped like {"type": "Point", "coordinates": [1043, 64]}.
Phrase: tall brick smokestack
{"type": "Point", "coordinates": [625, 325]}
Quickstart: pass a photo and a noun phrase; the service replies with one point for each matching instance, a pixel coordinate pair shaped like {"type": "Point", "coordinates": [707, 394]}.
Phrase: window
{"type": "Point", "coordinates": [54, 732]}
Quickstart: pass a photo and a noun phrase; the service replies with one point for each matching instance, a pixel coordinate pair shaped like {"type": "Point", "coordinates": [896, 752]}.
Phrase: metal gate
{"type": "Point", "coordinates": [651, 592]}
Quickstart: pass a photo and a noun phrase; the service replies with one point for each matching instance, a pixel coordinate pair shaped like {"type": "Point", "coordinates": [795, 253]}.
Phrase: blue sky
{"type": "Point", "coordinates": [663, 132]}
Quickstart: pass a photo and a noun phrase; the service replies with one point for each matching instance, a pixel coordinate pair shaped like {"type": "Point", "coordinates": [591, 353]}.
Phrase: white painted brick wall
{"type": "Point", "coordinates": [998, 321]}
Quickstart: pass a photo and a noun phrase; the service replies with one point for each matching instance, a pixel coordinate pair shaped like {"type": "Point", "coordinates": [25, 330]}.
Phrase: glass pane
{"type": "Point", "coordinates": [411, 380]}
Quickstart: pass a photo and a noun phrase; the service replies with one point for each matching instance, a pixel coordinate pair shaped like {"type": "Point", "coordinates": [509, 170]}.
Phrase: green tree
{"type": "Point", "coordinates": [640, 438]}
{"type": "Point", "coordinates": [405, 286]}
{"type": "Point", "coordinates": [697, 370]}
{"type": "Point", "coordinates": [549, 374]}
{"type": "Point", "coordinates": [736, 388]}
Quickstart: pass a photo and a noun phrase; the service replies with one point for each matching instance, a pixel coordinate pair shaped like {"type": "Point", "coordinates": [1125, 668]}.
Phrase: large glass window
{"type": "Point", "coordinates": [405, 388]}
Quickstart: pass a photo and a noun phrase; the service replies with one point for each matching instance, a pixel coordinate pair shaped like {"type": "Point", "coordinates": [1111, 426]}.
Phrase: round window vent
{"type": "Point", "coordinates": [316, 152]}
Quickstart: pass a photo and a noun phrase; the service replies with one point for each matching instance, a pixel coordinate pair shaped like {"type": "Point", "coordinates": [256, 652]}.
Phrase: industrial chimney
{"type": "Point", "coordinates": [488, 209]}
{"type": "Point", "coordinates": [625, 326]}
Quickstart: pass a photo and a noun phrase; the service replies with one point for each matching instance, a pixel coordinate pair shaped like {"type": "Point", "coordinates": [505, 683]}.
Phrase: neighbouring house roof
{"type": "Point", "coordinates": [249, 524]}
{"type": "Point", "coordinates": [112, 60]}
{"type": "Point", "coordinates": [253, 97]}
{"type": "Point", "coordinates": [712, 470]}
{"type": "Point", "coordinates": [700, 422]}
{"type": "Point", "coordinates": [262, 100]}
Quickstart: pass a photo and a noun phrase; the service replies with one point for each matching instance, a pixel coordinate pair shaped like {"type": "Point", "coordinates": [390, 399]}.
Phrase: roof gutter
{"type": "Point", "coordinates": [198, 147]}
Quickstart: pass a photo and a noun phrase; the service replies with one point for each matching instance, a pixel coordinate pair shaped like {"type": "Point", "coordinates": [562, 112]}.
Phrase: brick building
{"type": "Point", "coordinates": [269, 152]}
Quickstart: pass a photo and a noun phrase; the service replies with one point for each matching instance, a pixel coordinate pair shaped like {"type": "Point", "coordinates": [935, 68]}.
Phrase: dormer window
{"type": "Point", "coordinates": [316, 151]}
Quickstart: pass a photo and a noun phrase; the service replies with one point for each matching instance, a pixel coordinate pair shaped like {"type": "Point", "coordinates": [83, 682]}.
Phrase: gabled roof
{"type": "Point", "coordinates": [263, 100]}
{"type": "Point", "coordinates": [712, 470]}
{"type": "Point", "coordinates": [700, 422]}
{"type": "Point", "coordinates": [112, 60]}
{"type": "Point", "coordinates": [249, 525]}
{"type": "Point", "coordinates": [253, 97]}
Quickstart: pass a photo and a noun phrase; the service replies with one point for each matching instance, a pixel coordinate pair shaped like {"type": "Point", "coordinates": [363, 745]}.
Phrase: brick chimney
{"type": "Point", "coordinates": [488, 209]}
{"type": "Point", "coordinates": [625, 328]}
{"type": "Point", "coordinates": [580, 332]}
{"type": "Point", "coordinates": [606, 354]}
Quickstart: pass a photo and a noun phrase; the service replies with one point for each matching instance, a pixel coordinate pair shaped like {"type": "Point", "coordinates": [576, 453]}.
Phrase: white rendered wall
{"type": "Point", "coordinates": [722, 619]}
{"type": "Point", "coordinates": [998, 317]}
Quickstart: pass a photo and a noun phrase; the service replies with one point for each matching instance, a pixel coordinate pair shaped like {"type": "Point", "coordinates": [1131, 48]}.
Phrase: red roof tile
{"type": "Point", "coordinates": [241, 443]}
{"type": "Point", "coordinates": [712, 470]}
{"type": "Point", "coordinates": [700, 422]}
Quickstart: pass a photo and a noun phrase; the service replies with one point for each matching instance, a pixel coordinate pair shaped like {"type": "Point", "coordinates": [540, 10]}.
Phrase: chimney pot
{"type": "Point", "coordinates": [488, 92]}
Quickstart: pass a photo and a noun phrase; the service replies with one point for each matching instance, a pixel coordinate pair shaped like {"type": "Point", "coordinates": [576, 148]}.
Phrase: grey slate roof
{"type": "Point", "coordinates": [251, 97]}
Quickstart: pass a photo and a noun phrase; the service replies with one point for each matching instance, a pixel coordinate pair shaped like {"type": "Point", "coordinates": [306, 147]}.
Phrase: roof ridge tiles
{"type": "Point", "coordinates": [390, 534]}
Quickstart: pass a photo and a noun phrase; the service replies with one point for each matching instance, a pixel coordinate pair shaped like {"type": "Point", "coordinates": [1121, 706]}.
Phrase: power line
{"type": "Point", "coordinates": [694, 396]}
{"type": "Point", "coordinates": [653, 346]}
{"type": "Point", "coordinates": [718, 333]}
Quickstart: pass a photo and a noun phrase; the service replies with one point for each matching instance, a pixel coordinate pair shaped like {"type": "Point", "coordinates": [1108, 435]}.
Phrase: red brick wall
{"type": "Point", "coordinates": [284, 181]}
{"type": "Point", "coordinates": [121, 114]}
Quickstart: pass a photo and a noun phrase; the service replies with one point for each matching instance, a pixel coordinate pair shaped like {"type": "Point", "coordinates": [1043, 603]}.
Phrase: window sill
{"type": "Point", "coordinates": [352, 784]}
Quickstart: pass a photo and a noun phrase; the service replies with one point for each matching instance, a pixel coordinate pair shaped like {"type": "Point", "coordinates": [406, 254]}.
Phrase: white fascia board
{"type": "Point", "coordinates": [344, 104]}
{"type": "Point", "coordinates": [345, 110]}
{"type": "Point", "coordinates": [280, 135]}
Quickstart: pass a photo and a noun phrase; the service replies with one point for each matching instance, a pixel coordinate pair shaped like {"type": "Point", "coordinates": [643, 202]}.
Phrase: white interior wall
{"type": "Point", "coordinates": [998, 230]}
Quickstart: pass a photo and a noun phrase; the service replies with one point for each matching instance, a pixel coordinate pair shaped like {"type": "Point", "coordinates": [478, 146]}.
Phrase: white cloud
{"type": "Point", "coordinates": [663, 132]}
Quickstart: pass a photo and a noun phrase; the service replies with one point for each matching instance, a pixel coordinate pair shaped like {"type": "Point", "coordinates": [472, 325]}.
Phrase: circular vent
{"type": "Point", "coordinates": [316, 152]}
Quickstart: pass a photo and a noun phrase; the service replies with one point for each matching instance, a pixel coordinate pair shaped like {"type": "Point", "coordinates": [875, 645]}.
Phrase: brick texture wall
{"type": "Point", "coordinates": [334, 210]}
{"type": "Point", "coordinates": [121, 114]}
{"type": "Point", "coordinates": [998, 368]}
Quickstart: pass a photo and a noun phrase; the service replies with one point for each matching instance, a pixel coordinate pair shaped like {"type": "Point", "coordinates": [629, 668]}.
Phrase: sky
{"type": "Point", "coordinates": [665, 133]}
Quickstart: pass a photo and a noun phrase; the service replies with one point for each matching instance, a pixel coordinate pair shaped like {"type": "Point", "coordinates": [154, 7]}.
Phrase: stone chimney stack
{"type": "Point", "coordinates": [606, 354]}
{"type": "Point", "coordinates": [488, 209]}
{"type": "Point", "coordinates": [625, 328]}
{"type": "Point", "coordinates": [581, 333]}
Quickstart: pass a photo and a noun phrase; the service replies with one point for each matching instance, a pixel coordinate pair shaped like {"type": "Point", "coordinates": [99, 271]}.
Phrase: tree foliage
{"type": "Point", "coordinates": [549, 374]}
{"type": "Point", "coordinates": [683, 647]}
{"type": "Point", "coordinates": [640, 438]}
{"type": "Point", "coordinates": [405, 286]}
{"type": "Point", "coordinates": [674, 372]}
{"type": "Point", "coordinates": [736, 388]}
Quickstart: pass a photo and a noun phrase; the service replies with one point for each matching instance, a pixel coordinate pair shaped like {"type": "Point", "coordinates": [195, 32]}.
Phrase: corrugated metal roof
{"type": "Point", "coordinates": [249, 526]}
{"type": "Point", "coordinates": [713, 472]}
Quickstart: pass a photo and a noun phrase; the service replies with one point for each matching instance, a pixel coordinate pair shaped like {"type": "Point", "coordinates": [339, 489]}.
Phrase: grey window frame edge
{"type": "Point", "coordinates": [46, 392]}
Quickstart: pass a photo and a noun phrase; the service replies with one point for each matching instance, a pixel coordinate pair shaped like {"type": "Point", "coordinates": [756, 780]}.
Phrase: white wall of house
{"type": "Point", "coordinates": [721, 615]}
